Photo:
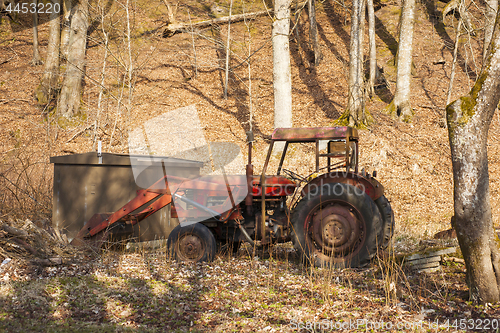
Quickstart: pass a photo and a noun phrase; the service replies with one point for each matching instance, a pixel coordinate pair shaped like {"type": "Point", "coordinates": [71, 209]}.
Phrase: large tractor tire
{"type": "Point", "coordinates": [336, 227]}
{"type": "Point", "coordinates": [388, 223]}
{"type": "Point", "coordinates": [192, 243]}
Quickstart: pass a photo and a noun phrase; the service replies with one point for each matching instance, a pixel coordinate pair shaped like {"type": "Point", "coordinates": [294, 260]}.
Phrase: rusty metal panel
{"type": "Point", "coordinates": [313, 134]}
{"type": "Point", "coordinates": [83, 187]}
{"type": "Point", "coordinates": [336, 148]}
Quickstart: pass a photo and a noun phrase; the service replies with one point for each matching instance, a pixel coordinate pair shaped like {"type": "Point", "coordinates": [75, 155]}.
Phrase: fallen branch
{"type": "Point", "coordinates": [6, 61]}
{"type": "Point", "coordinates": [455, 259]}
{"type": "Point", "coordinates": [8, 151]}
{"type": "Point", "coordinates": [23, 244]}
{"type": "Point", "coordinates": [14, 231]}
{"type": "Point", "coordinates": [78, 133]}
{"type": "Point", "coordinates": [54, 261]}
{"type": "Point", "coordinates": [5, 101]}
{"type": "Point", "coordinates": [175, 27]}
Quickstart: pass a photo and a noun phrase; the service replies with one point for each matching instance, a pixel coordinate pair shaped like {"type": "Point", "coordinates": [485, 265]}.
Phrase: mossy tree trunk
{"type": "Point", "coordinates": [48, 86]}
{"type": "Point", "coordinates": [71, 91]}
{"type": "Point", "coordinates": [468, 120]}
{"type": "Point", "coordinates": [400, 106]}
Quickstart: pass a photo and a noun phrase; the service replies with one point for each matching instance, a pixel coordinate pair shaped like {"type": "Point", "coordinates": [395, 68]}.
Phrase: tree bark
{"type": "Point", "coordinates": [373, 49]}
{"type": "Point", "coordinates": [313, 32]}
{"type": "Point", "coordinates": [468, 120]}
{"type": "Point", "coordinates": [355, 114]}
{"type": "Point", "coordinates": [489, 24]}
{"type": "Point", "coordinates": [36, 60]}
{"type": "Point", "coordinates": [69, 98]}
{"type": "Point", "coordinates": [67, 6]}
{"type": "Point", "coordinates": [400, 106]}
{"type": "Point", "coordinates": [454, 63]}
{"type": "Point", "coordinates": [226, 81]}
{"type": "Point", "coordinates": [282, 79]}
{"type": "Point", "coordinates": [49, 82]}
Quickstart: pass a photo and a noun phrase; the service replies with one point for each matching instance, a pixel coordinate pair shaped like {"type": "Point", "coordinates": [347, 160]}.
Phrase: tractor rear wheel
{"type": "Point", "coordinates": [336, 227]}
{"type": "Point", "coordinates": [192, 243]}
{"type": "Point", "coordinates": [388, 223]}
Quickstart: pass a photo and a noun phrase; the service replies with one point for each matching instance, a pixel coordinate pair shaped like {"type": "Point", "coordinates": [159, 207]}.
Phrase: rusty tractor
{"type": "Point", "coordinates": [336, 217]}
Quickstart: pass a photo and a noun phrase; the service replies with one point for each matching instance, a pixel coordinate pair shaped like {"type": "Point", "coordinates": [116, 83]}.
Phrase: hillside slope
{"type": "Point", "coordinates": [412, 160]}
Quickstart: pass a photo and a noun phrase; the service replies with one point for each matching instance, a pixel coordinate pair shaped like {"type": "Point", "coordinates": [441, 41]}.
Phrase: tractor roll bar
{"type": "Point", "coordinates": [304, 135]}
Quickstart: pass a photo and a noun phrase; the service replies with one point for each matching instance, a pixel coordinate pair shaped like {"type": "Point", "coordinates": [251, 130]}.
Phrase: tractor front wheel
{"type": "Point", "coordinates": [337, 226]}
{"type": "Point", "coordinates": [192, 243]}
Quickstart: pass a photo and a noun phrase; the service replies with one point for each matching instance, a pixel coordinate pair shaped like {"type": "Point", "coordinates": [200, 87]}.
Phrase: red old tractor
{"type": "Point", "coordinates": [336, 216]}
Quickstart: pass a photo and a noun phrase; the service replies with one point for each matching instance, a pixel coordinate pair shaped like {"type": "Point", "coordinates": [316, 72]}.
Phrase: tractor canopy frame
{"type": "Point", "coordinates": [302, 135]}
{"type": "Point", "coordinates": [314, 134]}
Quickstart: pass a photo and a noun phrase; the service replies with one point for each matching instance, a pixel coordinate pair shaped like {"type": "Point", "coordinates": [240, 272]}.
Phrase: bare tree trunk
{"type": "Point", "coordinates": [250, 102]}
{"type": "Point", "coordinates": [373, 49]}
{"type": "Point", "coordinates": [469, 119]}
{"type": "Point", "coordinates": [130, 67]}
{"type": "Point", "coordinates": [355, 114]}
{"type": "Point", "coordinates": [36, 60]}
{"type": "Point", "coordinates": [490, 15]}
{"type": "Point", "coordinates": [47, 88]}
{"type": "Point", "coordinates": [194, 49]}
{"type": "Point", "coordinates": [400, 105]}
{"type": "Point", "coordinates": [362, 44]}
{"type": "Point", "coordinates": [103, 76]}
{"type": "Point", "coordinates": [228, 50]}
{"type": "Point", "coordinates": [453, 65]}
{"type": "Point", "coordinates": [67, 6]}
{"type": "Point", "coordinates": [313, 31]}
{"type": "Point", "coordinates": [282, 79]}
{"type": "Point", "coordinates": [71, 91]}
{"type": "Point", "coordinates": [296, 25]}
{"type": "Point", "coordinates": [356, 102]}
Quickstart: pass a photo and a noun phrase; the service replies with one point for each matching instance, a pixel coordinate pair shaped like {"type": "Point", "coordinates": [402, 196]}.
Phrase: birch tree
{"type": "Point", "coordinates": [71, 91]}
{"type": "Point", "coordinates": [282, 79]}
{"type": "Point", "coordinates": [400, 106]}
{"type": "Point", "coordinates": [468, 121]}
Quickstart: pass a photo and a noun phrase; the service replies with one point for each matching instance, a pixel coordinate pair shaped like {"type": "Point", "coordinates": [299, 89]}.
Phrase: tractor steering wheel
{"type": "Point", "coordinates": [294, 175]}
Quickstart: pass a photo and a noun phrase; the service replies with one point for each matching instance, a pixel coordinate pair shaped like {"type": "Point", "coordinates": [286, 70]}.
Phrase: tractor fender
{"type": "Point", "coordinates": [367, 184]}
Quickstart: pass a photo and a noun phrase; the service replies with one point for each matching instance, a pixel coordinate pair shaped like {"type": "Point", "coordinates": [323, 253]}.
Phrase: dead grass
{"type": "Point", "coordinates": [144, 292]}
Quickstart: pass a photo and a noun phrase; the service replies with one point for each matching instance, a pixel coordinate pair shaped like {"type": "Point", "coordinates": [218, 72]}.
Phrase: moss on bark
{"type": "Point", "coordinates": [402, 112]}
{"type": "Point", "coordinates": [466, 105]}
{"type": "Point", "coordinates": [346, 119]}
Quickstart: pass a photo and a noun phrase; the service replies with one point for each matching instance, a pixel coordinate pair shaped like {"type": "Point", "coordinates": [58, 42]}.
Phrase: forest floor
{"type": "Point", "coordinates": [252, 292]}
